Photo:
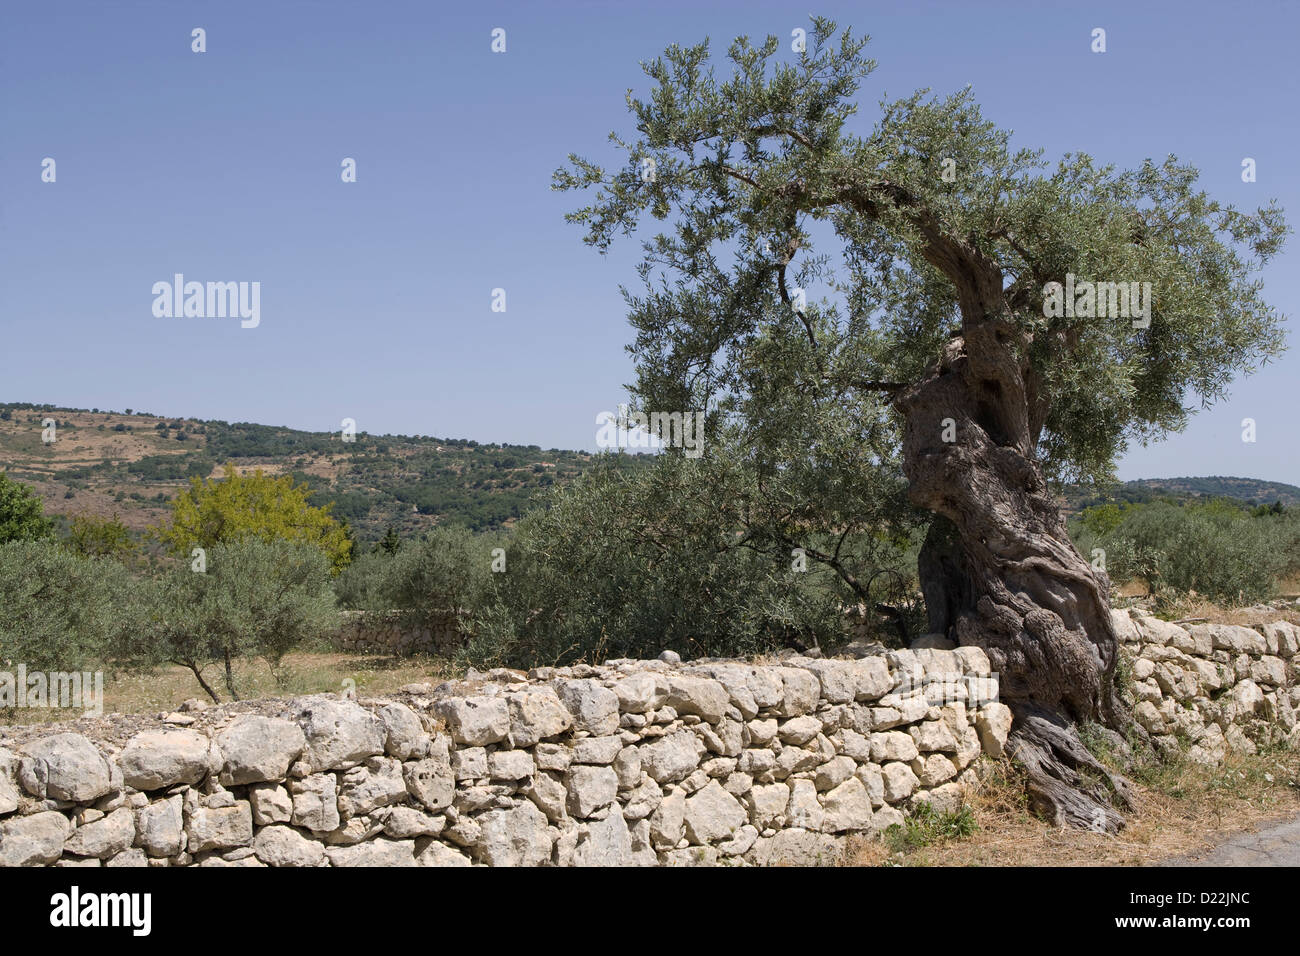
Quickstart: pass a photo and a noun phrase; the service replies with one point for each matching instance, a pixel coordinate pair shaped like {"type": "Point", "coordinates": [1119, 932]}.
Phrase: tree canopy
{"type": "Point", "coordinates": [253, 505]}
{"type": "Point", "coordinates": [771, 189]}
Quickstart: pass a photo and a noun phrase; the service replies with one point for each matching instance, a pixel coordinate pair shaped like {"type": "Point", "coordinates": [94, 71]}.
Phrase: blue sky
{"type": "Point", "coordinates": [376, 296]}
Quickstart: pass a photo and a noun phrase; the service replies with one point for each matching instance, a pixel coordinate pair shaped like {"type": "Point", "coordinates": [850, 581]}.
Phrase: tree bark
{"type": "Point", "coordinates": [999, 571]}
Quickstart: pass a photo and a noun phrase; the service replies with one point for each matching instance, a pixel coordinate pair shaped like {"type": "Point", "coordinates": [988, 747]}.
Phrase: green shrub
{"type": "Point", "coordinates": [59, 611]}
{"type": "Point", "coordinates": [1220, 549]}
{"type": "Point", "coordinates": [22, 517]}
{"type": "Point", "coordinates": [627, 565]}
{"type": "Point", "coordinates": [450, 569]}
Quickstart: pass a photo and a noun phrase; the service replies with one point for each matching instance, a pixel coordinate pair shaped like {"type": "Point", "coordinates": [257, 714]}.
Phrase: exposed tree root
{"type": "Point", "coordinates": [1067, 785]}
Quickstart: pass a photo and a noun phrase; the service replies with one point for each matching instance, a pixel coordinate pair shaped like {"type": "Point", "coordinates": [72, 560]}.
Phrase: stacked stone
{"type": "Point", "coordinates": [386, 634]}
{"type": "Point", "coordinates": [1212, 688]}
{"type": "Point", "coordinates": [629, 763]}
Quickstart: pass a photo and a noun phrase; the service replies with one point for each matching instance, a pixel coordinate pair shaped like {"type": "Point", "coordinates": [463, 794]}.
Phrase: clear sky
{"type": "Point", "coordinates": [376, 295]}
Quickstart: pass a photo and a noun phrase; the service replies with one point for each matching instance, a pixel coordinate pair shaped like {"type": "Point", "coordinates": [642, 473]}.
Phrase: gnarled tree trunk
{"type": "Point", "coordinates": [999, 571]}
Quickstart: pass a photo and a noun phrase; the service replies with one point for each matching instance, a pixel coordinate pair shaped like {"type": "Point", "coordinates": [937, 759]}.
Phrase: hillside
{"type": "Point", "coordinates": [131, 463]}
{"type": "Point", "coordinates": [1250, 490]}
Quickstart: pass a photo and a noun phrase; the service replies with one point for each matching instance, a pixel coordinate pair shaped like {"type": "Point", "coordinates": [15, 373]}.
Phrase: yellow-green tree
{"type": "Point", "coordinates": [239, 507]}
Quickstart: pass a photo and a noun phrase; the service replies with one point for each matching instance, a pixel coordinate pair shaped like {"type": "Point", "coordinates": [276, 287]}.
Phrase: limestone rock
{"type": "Point", "coordinates": [872, 678]}
{"type": "Point", "coordinates": [516, 837]}
{"type": "Point", "coordinates": [65, 767]}
{"type": "Point", "coordinates": [597, 750]}
{"type": "Point", "coordinates": [280, 845]}
{"type": "Point", "coordinates": [834, 772]}
{"type": "Point", "coordinates": [379, 783]}
{"type": "Point", "coordinates": [475, 721]}
{"type": "Point", "coordinates": [804, 810]}
{"type": "Point", "coordinates": [933, 735]}
{"type": "Point", "coordinates": [469, 763]}
{"type": "Point", "coordinates": [404, 735]}
{"type": "Point", "coordinates": [642, 800]}
{"type": "Point", "coordinates": [154, 759]}
{"type": "Point", "coordinates": [892, 745]}
{"type": "Point", "coordinates": [700, 696]}
{"type": "Point", "coordinates": [796, 847]}
{"type": "Point", "coordinates": [667, 823]}
{"type": "Point", "coordinates": [636, 694]}
{"type": "Point", "coordinates": [589, 789]}
{"type": "Point", "coordinates": [35, 840]}
{"type": "Point", "coordinates": [800, 692]}
{"type": "Point", "coordinates": [1230, 637]}
{"type": "Point", "coordinates": [439, 854]}
{"type": "Point", "coordinates": [405, 823]}
{"type": "Point", "coordinates": [271, 803]}
{"type": "Point", "coordinates": [431, 780]}
{"type": "Point", "coordinates": [874, 781]}
{"type": "Point", "coordinates": [257, 749]}
{"type": "Point", "coordinates": [838, 679]}
{"type": "Point", "coordinates": [945, 799]}
{"type": "Point", "coordinates": [220, 829]}
{"type": "Point", "coordinates": [135, 857]}
{"type": "Point", "coordinates": [105, 837]}
{"type": "Point", "coordinates": [799, 730]}
{"type": "Point", "coordinates": [511, 765]}
{"type": "Point", "coordinates": [550, 795]}
{"type": "Point", "coordinates": [535, 715]}
{"type": "Point", "coordinates": [671, 758]}
{"type": "Point", "coordinates": [712, 814]}
{"type": "Point", "coordinates": [607, 842]}
{"type": "Point", "coordinates": [380, 851]}
{"type": "Point", "coordinates": [627, 766]}
{"type": "Point", "coordinates": [9, 795]}
{"type": "Point", "coordinates": [899, 781]}
{"type": "Point", "coordinates": [315, 802]}
{"type": "Point", "coordinates": [993, 724]}
{"type": "Point", "coordinates": [160, 827]}
{"type": "Point", "coordinates": [593, 706]}
{"type": "Point", "coordinates": [933, 769]}
{"type": "Point", "coordinates": [847, 807]}
{"type": "Point", "coordinates": [973, 661]}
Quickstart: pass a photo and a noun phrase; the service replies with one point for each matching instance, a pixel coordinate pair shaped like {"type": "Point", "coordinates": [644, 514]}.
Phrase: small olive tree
{"type": "Point", "coordinates": [255, 599]}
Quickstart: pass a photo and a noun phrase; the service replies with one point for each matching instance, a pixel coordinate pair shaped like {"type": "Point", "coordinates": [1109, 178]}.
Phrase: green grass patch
{"type": "Point", "coordinates": [925, 827]}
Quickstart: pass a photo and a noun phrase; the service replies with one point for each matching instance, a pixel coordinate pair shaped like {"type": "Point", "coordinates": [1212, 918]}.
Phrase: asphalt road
{"type": "Point", "coordinates": [1276, 845]}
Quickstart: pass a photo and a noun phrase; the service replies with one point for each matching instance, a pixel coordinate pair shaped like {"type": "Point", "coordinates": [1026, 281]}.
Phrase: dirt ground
{"type": "Point", "coordinates": [1184, 811]}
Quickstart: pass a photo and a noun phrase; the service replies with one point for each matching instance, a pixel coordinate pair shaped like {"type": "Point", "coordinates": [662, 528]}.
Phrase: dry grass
{"type": "Point", "coordinates": [1184, 809]}
{"type": "Point", "coordinates": [1199, 610]}
{"type": "Point", "coordinates": [301, 673]}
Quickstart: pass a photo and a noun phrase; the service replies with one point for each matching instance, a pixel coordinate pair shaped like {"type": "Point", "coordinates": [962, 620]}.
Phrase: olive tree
{"type": "Point", "coordinates": [62, 612]}
{"type": "Point", "coordinates": [902, 283]}
{"type": "Point", "coordinates": [254, 599]}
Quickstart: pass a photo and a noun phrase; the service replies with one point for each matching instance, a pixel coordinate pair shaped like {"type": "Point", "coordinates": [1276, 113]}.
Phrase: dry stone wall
{"type": "Point", "coordinates": [1211, 688]}
{"type": "Point", "coordinates": [389, 634]}
{"type": "Point", "coordinates": [629, 763]}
